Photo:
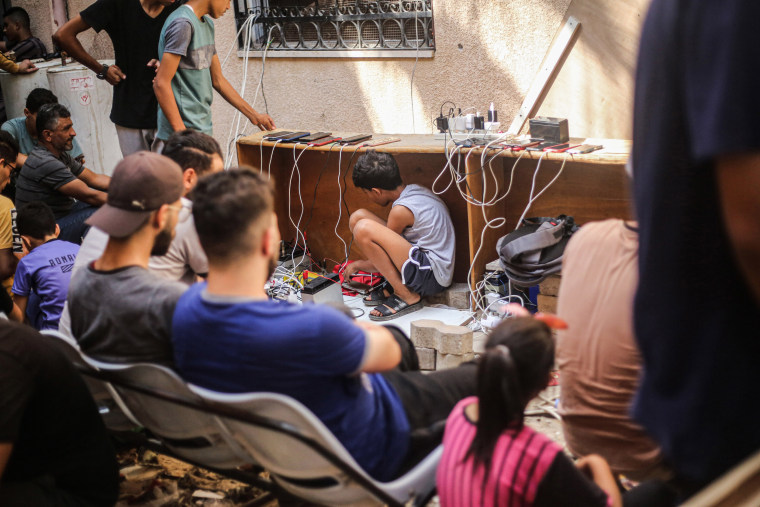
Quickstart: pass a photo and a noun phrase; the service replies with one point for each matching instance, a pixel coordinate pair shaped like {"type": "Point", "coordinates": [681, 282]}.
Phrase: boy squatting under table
{"type": "Point", "coordinates": [413, 249]}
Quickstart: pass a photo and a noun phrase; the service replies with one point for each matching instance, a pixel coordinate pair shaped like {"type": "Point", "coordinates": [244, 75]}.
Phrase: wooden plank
{"type": "Point", "coordinates": [616, 151]}
{"type": "Point", "coordinates": [739, 487]}
{"type": "Point", "coordinates": [482, 183]}
{"type": "Point", "coordinates": [548, 67]}
{"type": "Point", "coordinates": [594, 87]}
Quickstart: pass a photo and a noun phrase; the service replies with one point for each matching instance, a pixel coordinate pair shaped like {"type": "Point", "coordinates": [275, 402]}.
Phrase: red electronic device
{"type": "Point", "coordinates": [561, 148]}
{"type": "Point", "coordinates": [520, 147]}
{"type": "Point", "coordinates": [324, 141]}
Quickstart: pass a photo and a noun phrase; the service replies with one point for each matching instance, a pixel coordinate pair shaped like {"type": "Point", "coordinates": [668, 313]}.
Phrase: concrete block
{"type": "Point", "coordinates": [446, 361]}
{"type": "Point", "coordinates": [434, 334]}
{"type": "Point", "coordinates": [456, 296]}
{"type": "Point", "coordinates": [424, 333]}
{"type": "Point", "coordinates": [494, 266]}
{"type": "Point", "coordinates": [479, 342]}
{"type": "Point", "coordinates": [426, 357]}
{"type": "Point", "coordinates": [454, 340]}
{"type": "Point", "coordinates": [547, 304]}
{"type": "Point", "coordinates": [550, 286]}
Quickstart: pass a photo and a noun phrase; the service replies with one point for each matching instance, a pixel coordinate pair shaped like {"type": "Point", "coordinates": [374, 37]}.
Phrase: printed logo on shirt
{"type": "Point", "coordinates": [18, 246]}
{"type": "Point", "coordinates": [65, 262]}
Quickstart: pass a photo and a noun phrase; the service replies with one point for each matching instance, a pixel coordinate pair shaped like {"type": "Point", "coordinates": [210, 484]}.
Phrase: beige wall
{"type": "Point", "coordinates": [487, 50]}
{"type": "Point", "coordinates": [43, 26]}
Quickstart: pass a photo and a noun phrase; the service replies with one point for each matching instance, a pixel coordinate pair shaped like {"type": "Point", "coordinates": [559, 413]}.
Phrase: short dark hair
{"type": "Point", "coordinates": [35, 219]}
{"type": "Point", "coordinates": [190, 148]}
{"type": "Point", "coordinates": [8, 147]}
{"type": "Point", "coordinates": [231, 210]}
{"type": "Point", "coordinates": [38, 98]}
{"type": "Point", "coordinates": [48, 116]}
{"type": "Point", "coordinates": [18, 15]}
{"type": "Point", "coordinates": [376, 170]}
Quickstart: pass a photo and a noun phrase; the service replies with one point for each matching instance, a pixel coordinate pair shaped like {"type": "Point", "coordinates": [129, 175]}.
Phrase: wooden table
{"type": "Point", "coordinates": [591, 187]}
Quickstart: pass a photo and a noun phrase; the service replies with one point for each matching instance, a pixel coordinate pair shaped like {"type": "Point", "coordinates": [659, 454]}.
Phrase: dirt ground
{"type": "Point", "coordinates": [151, 479]}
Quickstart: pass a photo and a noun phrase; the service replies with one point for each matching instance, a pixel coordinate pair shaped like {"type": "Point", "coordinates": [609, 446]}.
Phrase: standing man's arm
{"type": "Point", "coordinates": [228, 92]}
{"type": "Point", "coordinates": [162, 86]}
{"type": "Point", "coordinates": [738, 179]}
{"type": "Point", "coordinates": [66, 38]}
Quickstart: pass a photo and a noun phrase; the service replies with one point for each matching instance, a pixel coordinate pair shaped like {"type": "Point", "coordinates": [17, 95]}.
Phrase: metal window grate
{"type": "Point", "coordinates": [335, 25]}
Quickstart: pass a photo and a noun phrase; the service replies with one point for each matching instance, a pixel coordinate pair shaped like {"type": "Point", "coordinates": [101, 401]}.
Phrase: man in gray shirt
{"type": "Point", "coordinates": [50, 175]}
{"type": "Point", "coordinates": [413, 249]}
{"type": "Point", "coordinates": [120, 312]}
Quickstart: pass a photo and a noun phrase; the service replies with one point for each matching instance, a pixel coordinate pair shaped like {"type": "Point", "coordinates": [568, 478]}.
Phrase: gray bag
{"type": "Point", "coordinates": [534, 251]}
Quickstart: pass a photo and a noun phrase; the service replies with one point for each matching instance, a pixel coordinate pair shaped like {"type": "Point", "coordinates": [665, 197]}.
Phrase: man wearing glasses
{"type": "Point", "coordinates": [50, 175]}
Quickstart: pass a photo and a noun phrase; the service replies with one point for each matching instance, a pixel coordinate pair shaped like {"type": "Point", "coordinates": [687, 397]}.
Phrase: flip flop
{"type": "Point", "coordinates": [376, 296]}
{"type": "Point", "coordinates": [396, 304]}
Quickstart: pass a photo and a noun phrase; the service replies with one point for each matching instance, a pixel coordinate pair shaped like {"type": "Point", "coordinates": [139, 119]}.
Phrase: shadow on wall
{"type": "Point", "coordinates": [486, 51]}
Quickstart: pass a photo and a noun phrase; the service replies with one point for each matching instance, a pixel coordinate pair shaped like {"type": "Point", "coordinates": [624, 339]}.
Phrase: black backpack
{"type": "Point", "coordinates": [534, 251]}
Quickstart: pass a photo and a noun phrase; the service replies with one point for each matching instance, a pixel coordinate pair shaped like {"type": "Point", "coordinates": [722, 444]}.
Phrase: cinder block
{"type": "Point", "coordinates": [446, 361]}
{"type": "Point", "coordinates": [426, 357]}
{"type": "Point", "coordinates": [479, 342]}
{"type": "Point", "coordinates": [550, 286]}
{"type": "Point", "coordinates": [547, 304]}
{"type": "Point", "coordinates": [454, 340]}
{"type": "Point", "coordinates": [434, 334]}
{"type": "Point", "coordinates": [424, 333]}
{"type": "Point", "coordinates": [456, 296]}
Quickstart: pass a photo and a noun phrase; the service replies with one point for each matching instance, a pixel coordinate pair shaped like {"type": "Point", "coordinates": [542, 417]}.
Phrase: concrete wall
{"type": "Point", "coordinates": [43, 26]}
{"type": "Point", "coordinates": [486, 51]}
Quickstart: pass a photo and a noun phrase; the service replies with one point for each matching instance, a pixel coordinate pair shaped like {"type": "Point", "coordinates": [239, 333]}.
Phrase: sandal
{"type": "Point", "coordinates": [376, 296]}
{"type": "Point", "coordinates": [394, 307]}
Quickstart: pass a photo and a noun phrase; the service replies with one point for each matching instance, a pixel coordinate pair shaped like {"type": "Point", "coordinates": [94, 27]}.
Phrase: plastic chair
{"type": "Point", "coordinates": [116, 416]}
{"type": "Point", "coordinates": [190, 433]}
{"type": "Point", "coordinates": [287, 446]}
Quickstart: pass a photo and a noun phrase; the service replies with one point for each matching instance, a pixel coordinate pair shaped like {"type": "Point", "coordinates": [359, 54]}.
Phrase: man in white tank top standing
{"type": "Point", "coordinates": [413, 249]}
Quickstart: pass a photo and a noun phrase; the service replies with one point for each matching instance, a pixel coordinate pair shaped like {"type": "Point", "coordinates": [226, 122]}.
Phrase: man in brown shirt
{"type": "Point", "coordinates": [597, 355]}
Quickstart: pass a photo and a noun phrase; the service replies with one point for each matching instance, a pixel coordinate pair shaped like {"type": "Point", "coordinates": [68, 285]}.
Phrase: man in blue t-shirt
{"type": "Point", "coordinates": [696, 173]}
{"type": "Point", "coordinates": [228, 336]}
{"type": "Point", "coordinates": [46, 270]}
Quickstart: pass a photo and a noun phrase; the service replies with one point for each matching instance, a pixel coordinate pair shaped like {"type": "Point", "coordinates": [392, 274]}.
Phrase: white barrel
{"type": "Point", "coordinates": [89, 100]}
{"type": "Point", "coordinates": [16, 87]}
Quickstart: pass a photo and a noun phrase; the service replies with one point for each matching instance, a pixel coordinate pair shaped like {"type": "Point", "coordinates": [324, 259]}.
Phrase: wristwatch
{"type": "Point", "coordinates": [102, 73]}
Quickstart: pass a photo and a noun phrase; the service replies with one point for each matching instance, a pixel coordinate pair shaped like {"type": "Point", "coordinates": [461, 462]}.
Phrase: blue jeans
{"type": "Point", "coordinates": [72, 225]}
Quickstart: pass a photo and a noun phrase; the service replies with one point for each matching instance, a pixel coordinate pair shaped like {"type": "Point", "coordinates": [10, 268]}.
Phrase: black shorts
{"type": "Point", "coordinates": [417, 274]}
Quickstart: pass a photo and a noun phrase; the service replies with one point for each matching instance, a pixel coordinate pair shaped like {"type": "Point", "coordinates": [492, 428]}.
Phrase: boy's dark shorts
{"type": "Point", "coordinates": [417, 274]}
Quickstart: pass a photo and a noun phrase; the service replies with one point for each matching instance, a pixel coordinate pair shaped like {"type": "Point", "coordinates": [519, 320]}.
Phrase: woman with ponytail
{"type": "Point", "coordinates": [490, 458]}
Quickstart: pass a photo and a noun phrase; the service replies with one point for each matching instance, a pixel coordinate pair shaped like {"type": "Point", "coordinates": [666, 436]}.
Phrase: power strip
{"type": "Point", "coordinates": [479, 134]}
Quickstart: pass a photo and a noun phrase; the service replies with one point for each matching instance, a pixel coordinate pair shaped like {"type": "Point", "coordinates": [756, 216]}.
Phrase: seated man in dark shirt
{"type": "Point", "coordinates": [119, 311]}
{"type": "Point", "coordinates": [19, 33]}
{"type": "Point", "coordinates": [50, 175]}
{"type": "Point", "coordinates": [54, 449]}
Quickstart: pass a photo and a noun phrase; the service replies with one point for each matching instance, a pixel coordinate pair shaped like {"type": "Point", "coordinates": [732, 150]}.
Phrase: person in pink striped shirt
{"type": "Point", "coordinates": [490, 458]}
